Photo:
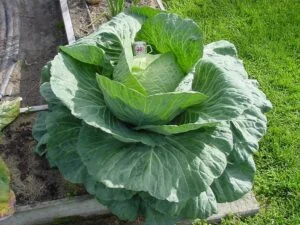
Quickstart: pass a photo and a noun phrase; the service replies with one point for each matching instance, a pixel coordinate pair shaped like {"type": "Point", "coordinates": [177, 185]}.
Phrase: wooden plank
{"type": "Point", "coordinates": [160, 4]}
{"type": "Point", "coordinates": [87, 206]}
{"type": "Point", "coordinates": [67, 21]}
{"type": "Point", "coordinates": [34, 108]}
{"type": "Point", "coordinates": [47, 211]}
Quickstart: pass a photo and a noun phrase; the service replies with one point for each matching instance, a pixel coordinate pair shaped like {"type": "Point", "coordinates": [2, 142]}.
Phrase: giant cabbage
{"type": "Point", "coordinates": [165, 135]}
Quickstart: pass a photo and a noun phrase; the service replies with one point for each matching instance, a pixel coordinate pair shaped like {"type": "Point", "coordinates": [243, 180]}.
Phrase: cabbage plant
{"type": "Point", "coordinates": [165, 135]}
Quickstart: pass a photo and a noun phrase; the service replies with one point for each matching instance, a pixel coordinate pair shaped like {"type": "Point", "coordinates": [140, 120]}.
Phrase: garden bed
{"type": "Point", "coordinates": [32, 178]}
{"type": "Point", "coordinates": [42, 30]}
{"type": "Point", "coordinates": [86, 18]}
{"type": "Point", "coordinates": [36, 185]}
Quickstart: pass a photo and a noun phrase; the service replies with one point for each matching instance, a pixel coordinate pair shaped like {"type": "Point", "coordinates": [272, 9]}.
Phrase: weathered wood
{"type": "Point", "coordinates": [67, 21]}
{"type": "Point", "coordinates": [47, 211]}
{"type": "Point", "coordinates": [34, 108]}
{"type": "Point", "coordinates": [161, 5]}
{"type": "Point", "coordinates": [87, 206]}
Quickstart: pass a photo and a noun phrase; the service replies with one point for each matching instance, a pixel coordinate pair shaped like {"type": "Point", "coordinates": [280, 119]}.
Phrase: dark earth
{"type": "Point", "coordinates": [93, 220]}
{"type": "Point", "coordinates": [42, 31]}
{"type": "Point", "coordinates": [32, 179]}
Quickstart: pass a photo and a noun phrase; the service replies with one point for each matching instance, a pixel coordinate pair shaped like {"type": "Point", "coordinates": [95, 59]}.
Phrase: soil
{"type": "Point", "coordinates": [86, 21]}
{"type": "Point", "coordinates": [100, 12]}
{"type": "Point", "coordinates": [80, 18]}
{"type": "Point", "coordinates": [42, 31]}
{"type": "Point", "coordinates": [94, 220]}
{"type": "Point", "coordinates": [32, 179]}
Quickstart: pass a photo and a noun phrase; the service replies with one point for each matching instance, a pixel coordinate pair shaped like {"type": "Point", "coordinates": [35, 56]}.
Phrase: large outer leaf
{"type": "Point", "coordinates": [259, 98]}
{"type": "Point", "coordinates": [48, 95]}
{"type": "Point", "coordinates": [125, 210]}
{"type": "Point", "coordinates": [130, 209]}
{"type": "Point", "coordinates": [85, 50]}
{"type": "Point", "coordinates": [153, 217]}
{"type": "Point", "coordinates": [119, 32]}
{"type": "Point", "coordinates": [248, 128]}
{"type": "Point", "coordinates": [237, 179]}
{"type": "Point", "coordinates": [195, 157]}
{"type": "Point", "coordinates": [227, 91]}
{"type": "Point", "coordinates": [63, 130]}
{"type": "Point", "coordinates": [40, 134]}
{"type": "Point", "coordinates": [39, 129]}
{"type": "Point", "coordinates": [133, 107]}
{"type": "Point", "coordinates": [104, 193]}
{"type": "Point", "coordinates": [66, 158]}
{"type": "Point", "coordinates": [219, 49]}
{"type": "Point", "coordinates": [111, 37]}
{"type": "Point", "coordinates": [170, 33]}
{"type": "Point", "coordinates": [75, 85]}
{"type": "Point", "coordinates": [120, 201]}
{"type": "Point", "coordinates": [45, 73]}
{"type": "Point", "coordinates": [201, 206]}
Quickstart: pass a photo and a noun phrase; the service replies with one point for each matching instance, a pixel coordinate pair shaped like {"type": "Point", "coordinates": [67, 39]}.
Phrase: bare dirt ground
{"type": "Point", "coordinates": [94, 220]}
{"type": "Point", "coordinates": [85, 22]}
{"type": "Point", "coordinates": [32, 179]}
{"type": "Point", "coordinates": [42, 31]}
{"type": "Point", "coordinates": [100, 12]}
{"type": "Point", "coordinates": [80, 18]}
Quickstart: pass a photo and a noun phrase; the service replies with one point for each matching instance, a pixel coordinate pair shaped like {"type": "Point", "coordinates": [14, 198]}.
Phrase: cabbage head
{"type": "Point", "coordinates": [165, 135]}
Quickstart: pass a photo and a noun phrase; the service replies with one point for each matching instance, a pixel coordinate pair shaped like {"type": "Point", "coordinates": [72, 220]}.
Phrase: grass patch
{"type": "Point", "coordinates": [267, 36]}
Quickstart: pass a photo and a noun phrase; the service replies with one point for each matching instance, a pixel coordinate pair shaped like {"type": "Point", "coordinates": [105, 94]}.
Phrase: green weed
{"type": "Point", "coordinates": [115, 6]}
